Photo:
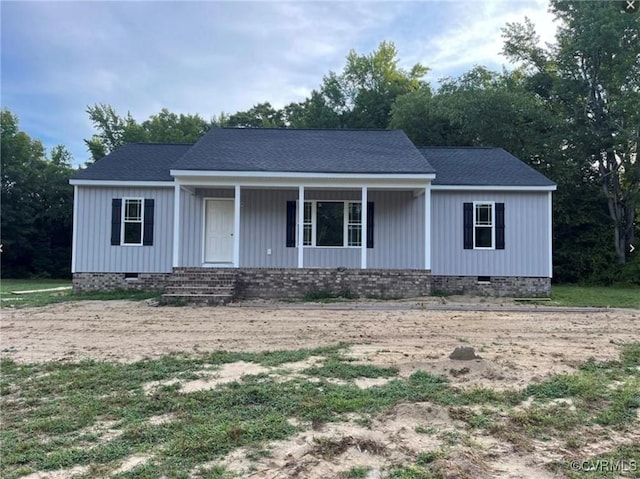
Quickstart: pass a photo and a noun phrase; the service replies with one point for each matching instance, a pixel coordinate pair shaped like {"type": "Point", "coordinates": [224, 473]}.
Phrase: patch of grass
{"type": "Point", "coordinates": [630, 355]}
{"type": "Point", "coordinates": [595, 296]}
{"type": "Point", "coordinates": [9, 285]}
{"type": "Point", "coordinates": [412, 472]}
{"type": "Point", "coordinates": [441, 293]}
{"type": "Point", "coordinates": [338, 368]}
{"type": "Point", "coordinates": [426, 458]}
{"type": "Point", "coordinates": [357, 472]}
{"type": "Point", "coordinates": [51, 412]}
{"type": "Point", "coordinates": [50, 297]}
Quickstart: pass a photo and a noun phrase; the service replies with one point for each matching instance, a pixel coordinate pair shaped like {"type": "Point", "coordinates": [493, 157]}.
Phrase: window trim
{"type": "Point", "coordinates": [122, 221]}
{"type": "Point", "coordinates": [314, 223]}
{"type": "Point", "coordinates": [493, 225]}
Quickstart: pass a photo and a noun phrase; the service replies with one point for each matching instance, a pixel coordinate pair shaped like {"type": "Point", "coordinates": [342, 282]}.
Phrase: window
{"type": "Point", "coordinates": [483, 225]}
{"type": "Point", "coordinates": [330, 223]}
{"type": "Point", "coordinates": [354, 225]}
{"type": "Point", "coordinates": [308, 224]}
{"type": "Point", "coordinates": [132, 221]}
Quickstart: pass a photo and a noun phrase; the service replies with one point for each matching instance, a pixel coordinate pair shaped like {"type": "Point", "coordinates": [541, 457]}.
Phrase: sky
{"type": "Point", "coordinates": [208, 57]}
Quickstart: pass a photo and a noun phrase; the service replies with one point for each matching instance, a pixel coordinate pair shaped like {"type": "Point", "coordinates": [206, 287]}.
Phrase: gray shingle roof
{"type": "Point", "coordinates": [305, 151]}
{"type": "Point", "coordinates": [481, 167]}
{"type": "Point", "coordinates": [314, 151]}
{"type": "Point", "coordinates": [136, 162]}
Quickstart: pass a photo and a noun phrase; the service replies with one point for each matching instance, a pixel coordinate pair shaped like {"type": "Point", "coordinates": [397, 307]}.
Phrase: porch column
{"type": "Point", "coordinates": [300, 227]}
{"type": "Point", "coordinates": [363, 233]}
{"type": "Point", "coordinates": [74, 237]}
{"type": "Point", "coordinates": [236, 227]}
{"type": "Point", "coordinates": [550, 232]}
{"type": "Point", "coordinates": [427, 226]}
{"type": "Point", "coordinates": [176, 224]}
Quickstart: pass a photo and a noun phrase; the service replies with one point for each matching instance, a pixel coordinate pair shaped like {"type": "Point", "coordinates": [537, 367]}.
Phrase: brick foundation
{"type": "Point", "coordinates": [292, 283]}
{"type": "Point", "coordinates": [287, 283]}
{"type": "Point", "coordinates": [515, 286]}
{"type": "Point", "coordinates": [85, 282]}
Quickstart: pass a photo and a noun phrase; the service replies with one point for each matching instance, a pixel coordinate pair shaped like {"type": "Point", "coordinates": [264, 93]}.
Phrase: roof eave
{"type": "Point", "coordinates": [299, 175]}
{"type": "Point", "coordinates": [494, 188]}
{"type": "Point", "coordinates": [130, 183]}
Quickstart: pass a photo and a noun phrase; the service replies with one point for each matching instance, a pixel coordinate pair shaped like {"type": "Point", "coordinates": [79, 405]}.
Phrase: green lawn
{"type": "Point", "coordinates": [595, 296]}
{"type": "Point", "coordinates": [58, 415]}
{"type": "Point", "coordinates": [8, 285]}
{"type": "Point", "coordinates": [561, 295]}
{"type": "Point", "coordinates": [10, 300]}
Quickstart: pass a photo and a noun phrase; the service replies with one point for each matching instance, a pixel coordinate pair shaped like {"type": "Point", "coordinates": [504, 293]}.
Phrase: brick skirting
{"type": "Point", "coordinates": [85, 282]}
{"type": "Point", "coordinates": [514, 286]}
{"type": "Point", "coordinates": [292, 283]}
{"type": "Point", "coordinates": [362, 283]}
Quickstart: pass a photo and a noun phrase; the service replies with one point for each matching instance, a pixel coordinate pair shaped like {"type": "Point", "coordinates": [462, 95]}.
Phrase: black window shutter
{"type": "Point", "coordinates": [147, 233]}
{"type": "Point", "coordinates": [291, 224]}
{"type": "Point", "coordinates": [369, 225]}
{"type": "Point", "coordinates": [116, 220]}
{"type": "Point", "coordinates": [499, 225]}
{"type": "Point", "coordinates": [467, 216]}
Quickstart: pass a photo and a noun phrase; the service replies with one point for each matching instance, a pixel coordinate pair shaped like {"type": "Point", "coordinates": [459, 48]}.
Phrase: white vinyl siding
{"type": "Point", "coordinates": [526, 236]}
{"type": "Point", "coordinates": [94, 251]}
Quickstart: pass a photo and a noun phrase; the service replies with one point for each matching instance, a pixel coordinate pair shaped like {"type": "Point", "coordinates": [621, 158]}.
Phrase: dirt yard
{"type": "Point", "coordinates": [516, 347]}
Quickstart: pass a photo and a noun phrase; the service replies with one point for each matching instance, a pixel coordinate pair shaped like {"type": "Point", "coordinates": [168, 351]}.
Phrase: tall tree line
{"type": "Point", "coordinates": [572, 111]}
{"type": "Point", "coordinates": [37, 205]}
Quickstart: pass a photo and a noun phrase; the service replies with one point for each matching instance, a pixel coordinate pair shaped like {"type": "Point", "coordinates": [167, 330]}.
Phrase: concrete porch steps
{"type": "Point", "coordinates": [203, 286]}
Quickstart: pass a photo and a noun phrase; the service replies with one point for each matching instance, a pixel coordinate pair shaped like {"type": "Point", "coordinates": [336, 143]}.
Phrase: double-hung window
{"type": "Point", "coordinates": [132, 221]}
{"type": "Point", "coordinates": [484, 225]}
{"type": "Point", "coordinates": [483, 233]}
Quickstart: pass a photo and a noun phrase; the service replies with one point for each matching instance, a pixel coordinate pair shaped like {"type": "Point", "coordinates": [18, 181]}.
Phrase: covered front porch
{"type": "Point", "coordinates": [383, 224]}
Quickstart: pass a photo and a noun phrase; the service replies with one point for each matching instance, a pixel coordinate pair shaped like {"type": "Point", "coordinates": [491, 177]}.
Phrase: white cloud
{"type": "Point", "coordinates": [208, 57]}
{"type": "Point", "coordinates": [475, 37]}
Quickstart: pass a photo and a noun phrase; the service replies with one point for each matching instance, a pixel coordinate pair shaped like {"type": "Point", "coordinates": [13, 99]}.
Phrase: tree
{"type": "Point", "coordinates": [594, 74]}
{"type": "Point", "coordinates": [361, 96]}
{"type": "Point", "coordinates": [164, 127]}
{"type": "Point", "coordinates": [314, 112]}
{"type": "Point", "coordinates": [111, 130]}
{"type": "Point", "coordinates": [37, 204]}
{"type": "Point", "coordinates": [167, 127]}
{"type": "Point", "coordinates": [262, 115]}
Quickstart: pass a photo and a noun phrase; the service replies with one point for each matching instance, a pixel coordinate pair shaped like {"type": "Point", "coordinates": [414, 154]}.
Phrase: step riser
{"type": "Point", "coordinates": [197, 286]}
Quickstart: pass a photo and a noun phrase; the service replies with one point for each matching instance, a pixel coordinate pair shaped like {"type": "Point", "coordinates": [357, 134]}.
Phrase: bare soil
{"type": "Point", "coordinates": [516, 347]}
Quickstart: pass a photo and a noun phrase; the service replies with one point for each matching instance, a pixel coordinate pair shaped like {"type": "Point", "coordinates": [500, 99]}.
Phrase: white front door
{"type": "Point", "coordinates": [218, 231]}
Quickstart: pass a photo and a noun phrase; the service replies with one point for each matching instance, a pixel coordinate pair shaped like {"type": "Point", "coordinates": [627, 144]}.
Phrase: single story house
{"type": "Point", "coordinates": [269, 212]}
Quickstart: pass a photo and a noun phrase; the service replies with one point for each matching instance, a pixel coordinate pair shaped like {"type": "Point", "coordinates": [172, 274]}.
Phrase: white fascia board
{"type": "Point", "coordinates": [295, 183]}
{"type": "Point", "coordinates": [491, 188]}
{"type": "Point", "coordinates": [354, 181]}
{"type": "Point", "coordinates": [300, 176]}
{"type": "Point", "coordinates": [123, 184]}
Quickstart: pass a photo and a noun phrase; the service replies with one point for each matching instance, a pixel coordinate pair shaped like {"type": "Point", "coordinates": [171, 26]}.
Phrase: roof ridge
{"type": "Point", "coordinates": [162, 143]}
{"type": "Point", "coordinates": [285, 128]}
{"type": "Point", "coordinates": [448, 147]}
